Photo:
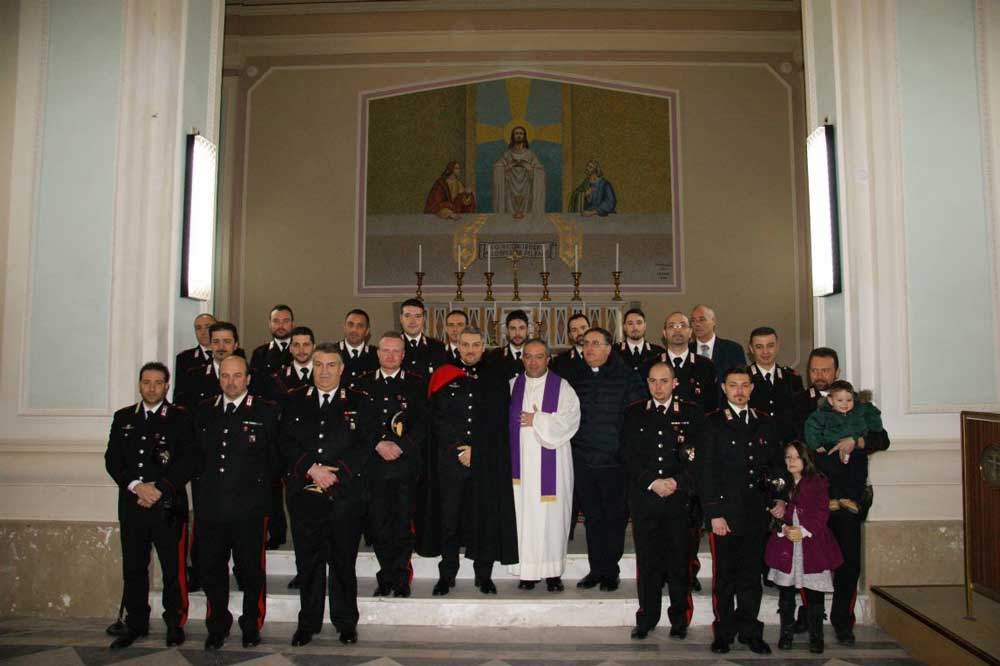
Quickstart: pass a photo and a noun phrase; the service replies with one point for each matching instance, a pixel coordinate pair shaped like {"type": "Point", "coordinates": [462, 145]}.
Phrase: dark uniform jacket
{"type": "Point", "coordinates": [311, 435]}
{"type": "Point", "coordinates": [354, 367]}
{"type": "Point", "coordinates": [604, 395]}
{"type": "Point", "coordinates": [188, 359]}
{"type": "Point", "coordinates": [238, 458]}
{"type": "Point", "coordinates": [662, 446]}
{"type": "Point", "coordinates": [402, 401]}
{"type": "Point", "coordinates": [200, 383]}
{"type": "Point", "coordinates": [648, 354]}
{"type": "Point", "coordinates": [268, 358]}
{"type": "Point", "coordinates": [568, 363]}
{"type": "Point", "coordinates": [776, 398]}
{"type": "Point", "coordinates": [283, 381]}
{"type": "Point", "coordinates": [504, 358]}
{"type": "Point", "coordinates": [425, 358]}
{"type": "Point", "coordinates": [738, 462]}
{"type": "Point", "coordinates": [696, 380]}
{"type": "Point", "coordinates": [156, 450]}
{"type": "Point", "coordinates": [452, 355]}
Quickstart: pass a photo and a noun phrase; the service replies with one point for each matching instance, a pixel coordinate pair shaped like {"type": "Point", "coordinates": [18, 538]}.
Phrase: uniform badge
{"type": "Point", "coordinates": [343, 394]}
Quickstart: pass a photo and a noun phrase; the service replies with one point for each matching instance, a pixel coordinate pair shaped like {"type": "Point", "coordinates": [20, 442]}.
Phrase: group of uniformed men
{"type": "Point", "coordinates": [406, 441]}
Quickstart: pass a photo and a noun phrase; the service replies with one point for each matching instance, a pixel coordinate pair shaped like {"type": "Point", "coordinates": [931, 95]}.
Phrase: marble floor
{"type": "Point", "coordinates": [75, 642]}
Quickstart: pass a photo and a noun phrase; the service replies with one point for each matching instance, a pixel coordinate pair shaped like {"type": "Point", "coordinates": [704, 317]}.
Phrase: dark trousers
{"type": "Point", "coordinates": [458, 522]}
{"type": "Point", "coordinates": [277, 526]}
{"type": "Point", "coordinates": [391, 528]}
{"type": "Point", "coordinates": [812, 599]}
{"type": "Point", "coordinates": [602, 499]}
{"type": "Point", "coordinates": [139, 533]}
{"type": "Point", "coordinates": [243, 537]}
{"type": "Point", "coordinates": [846, 480]}
{"type": "Point", "coordinates": [661, 553]}
{"type": "Point", "coordinates": [329, 535]}
{"type": "Point", "coordinates": [736, 584]}
{"type": "Point", "coordinates": [846, 528]}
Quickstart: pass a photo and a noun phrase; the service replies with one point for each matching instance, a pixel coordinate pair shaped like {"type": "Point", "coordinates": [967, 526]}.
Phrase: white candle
{"type": "Point", "coordinates": [489, 258]}
{"type": "Point", "coordinates": [545, 251]}
{"type": "Point", "coordinates": [616, 256]}
{"type": "Point", "coordinates": [420, 258]}
{"type": "Point", "coordinates": [576, 258]}
{"type": "Point", "coordinates": [458, 258]}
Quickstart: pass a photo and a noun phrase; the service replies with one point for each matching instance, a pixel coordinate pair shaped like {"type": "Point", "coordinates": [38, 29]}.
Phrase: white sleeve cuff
{"type": "Point", "coordinates": [132, 485]}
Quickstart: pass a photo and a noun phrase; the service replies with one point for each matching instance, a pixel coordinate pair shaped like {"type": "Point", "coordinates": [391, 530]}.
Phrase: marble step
{"type": "Point", "coordinates": [282, 563]}
{"type": "Point", "coordinates": [466, 606]}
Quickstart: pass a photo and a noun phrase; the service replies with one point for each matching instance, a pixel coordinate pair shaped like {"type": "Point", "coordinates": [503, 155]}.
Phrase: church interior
{"type": "Point", "coordinates": [668, 166]}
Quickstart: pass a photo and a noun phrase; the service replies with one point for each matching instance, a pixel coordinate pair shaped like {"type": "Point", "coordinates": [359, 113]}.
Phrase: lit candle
{"type": "Point", "coordinates": [420, 258]}
{"type": "Point", "coordinates": [616, 256]}
{"type": "Point", "coordinates": [545, 251]}
{"type": "Point", "coordinates": [489, 258]}
{"type": "Point", "coordinates": [576, 258]}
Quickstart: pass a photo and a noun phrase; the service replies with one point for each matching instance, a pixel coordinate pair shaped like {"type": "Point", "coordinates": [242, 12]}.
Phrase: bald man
{"type": "Point", "coordinates": [724, 353]}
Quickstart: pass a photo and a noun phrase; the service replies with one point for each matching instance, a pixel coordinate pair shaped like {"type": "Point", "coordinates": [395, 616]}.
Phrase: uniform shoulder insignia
{"type": "Point", "coordinates": [714, 412]}
{"type": "Point", "coordinates": [211, 401]}
{"type": "Point", "coordinates": [413, 373]}
{"type": "Point", "coordinates": [763, 416]}
{"type": "Point", "coordinates": [307, 389]}
{"type": "Point", "coordinates": [640, 401]}
{"type": "Point", "coordinates": [367, 373]}
{"type": "Point", "coordinates": [684, 402]}
{"type": "Point", "coordinates": [179, 408]}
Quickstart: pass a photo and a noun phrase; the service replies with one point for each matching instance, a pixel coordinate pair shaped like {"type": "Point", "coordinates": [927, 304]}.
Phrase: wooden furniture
{"type": "Point", "coordinates": [981, 503]}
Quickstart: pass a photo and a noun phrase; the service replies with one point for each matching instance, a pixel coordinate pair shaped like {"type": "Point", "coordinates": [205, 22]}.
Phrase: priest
{"type": "Point", "coordinates": [544, 415]}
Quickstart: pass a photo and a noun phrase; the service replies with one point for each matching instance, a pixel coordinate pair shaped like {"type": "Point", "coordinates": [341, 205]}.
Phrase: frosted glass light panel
{"type": "Point", "coordinates": [824, 225]}
{"type": "Point", "coordinates": [200, 185]}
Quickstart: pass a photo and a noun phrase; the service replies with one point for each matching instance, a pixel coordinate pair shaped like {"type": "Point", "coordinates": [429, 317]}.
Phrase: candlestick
{"type": "Point", "coordinates": [489, 285]}
{"type": "Point", "coordinates": [576, 285]}
{"type": "Point", "coordinates": [459, 276]}
{"type": "Point", "coordinates": [420, 285]}
{"type": "Point", "coordinates": [514, 258]}
{"type": "Point", "coordinates": [545, 285]}
{"type": "Point", "coordinates": [576, 258]}
{"type": "Point", "coordinates": [420, 258]}
{"type": "Point", "coordinates": [616, 257]}
{"type": "Point", "coordinates": [617, 276]}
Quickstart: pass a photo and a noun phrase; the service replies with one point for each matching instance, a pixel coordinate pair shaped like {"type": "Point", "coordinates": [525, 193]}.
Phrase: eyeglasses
{"type": "Point", "coordinates": [676, 326]}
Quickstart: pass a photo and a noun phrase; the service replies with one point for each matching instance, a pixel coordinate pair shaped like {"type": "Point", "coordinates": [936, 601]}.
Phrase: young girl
{"type": "Point", "coordinates": [804, 553]}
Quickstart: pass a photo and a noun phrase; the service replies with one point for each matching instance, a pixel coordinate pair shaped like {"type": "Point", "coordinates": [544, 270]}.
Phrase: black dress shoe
{"type": "Point", "coordinates": [274, 543]}
{"type": "Point", "coordinates": [382, 590]}
{"type": "Point", "coordinates": [845, 638]}
{"type": "Point", "coordinates": [127, 639]}
{"type": "Point", "coordinates": [639, 633]}
{"type": "Point", "coordinates": [527, 585]}
{"type": "Point", "coordinates": [251, 638]}
{"type": "Point", "coordinates": [696, 585]}
{"type": "Point", "coordinates": [589, 581]}
{"type": "Point", "coordinates": [785, 640]}
{"type": "Point", "coordinates": [403, 591]}
{"type": "Point", "coordinates": [443, 586]}
{"type": "Point", "coordinates": [720, 646]}
{"type": "Point", "coordinates": [215, 641]}
{"type": "Point", "coordinates": [294, 583]}
{"type": "Point", "coordinates": [757, 645]}
{"type": "Point", "coordinates": [301, 637]}
{"type": "Point", "coordinates": [116, 628]}
{"type": "Point", "coordinates": [610, 584]}
{"type": "Point", "coordinates": [487, 586]}
{"type": "Point", "coordinates": [175, 636]}
{"type": "Point", "coordinates": [349, 635]}
{"type": "Point", "coordinates": [554, 584]}
{"type": "Point", "coordinates": [679, 631]}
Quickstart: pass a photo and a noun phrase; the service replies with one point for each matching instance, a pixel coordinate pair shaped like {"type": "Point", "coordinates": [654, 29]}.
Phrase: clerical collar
{"type": "Point", "coordinates": [236, 401]}
{"type": "Point", "coordinates": [299, 366]}
{"type": "Point", "coordinates": [665, 405]}
{"type": "Point", "coordinates": [536, 379]}
{"type": "Point", "coordinates": [386, 375]}
{"type": "Point", "coordinates": [682, 356]}
{"type": "Point", "coordinates": [597, 369]}
{"type": "Point", "coordinates": [155, 408]}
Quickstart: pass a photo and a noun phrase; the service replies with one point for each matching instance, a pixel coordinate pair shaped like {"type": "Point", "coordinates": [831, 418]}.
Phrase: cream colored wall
{"type": "Point", "coordinates": [8, 89]}
{"type": "Point", "coordinates": [741, 233]}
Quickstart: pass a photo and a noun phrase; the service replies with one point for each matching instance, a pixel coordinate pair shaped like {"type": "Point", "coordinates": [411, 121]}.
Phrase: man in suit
{"type": "Point", "coordinates": [508, 357]}
{"type": "Point", "coordinates": [571, 361]}
{"type": "Point", "coordinates": [724, 353]}
{"type": "Point", "coordinates": [454, 324]}
{"type": "Point", "coordinates": [201, 353]}
{"type": "Point", "coordinates": [326, 453]}
{"type": "Point", "coordinates": [149, 457]}
{"type": "Point", "coordinates": [236, 436]}
{"type": "Point", "coordinates": [423, 354]}
{"type": "Point", "coordinates": [270, 356]}
{"type": "Point", "coordinates": [635, 351]}
{"type": "Point", "coordinates": [359, 356]}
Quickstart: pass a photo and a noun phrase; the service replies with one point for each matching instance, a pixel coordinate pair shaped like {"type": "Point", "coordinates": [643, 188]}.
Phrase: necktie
{"type": "Point", "coordinates": [354, 353]}
{"type": "Point", "coordinates": [305, 374]}
{"type": "Point", "coordinates": [326, 401]}
{"type": "Point", "coordinates": [636, 354]}
{"type": "Point", "coordinates": [517, 356]}
{"type": "Point", "coordinates": [206, 355]}
{"type": "Point", "coordinates": [677, 362]}
{"type": "Point", "coordinates": [704, 350]}
{"type": "Point", "coordinates": [284, 346]}
{"type": "Point", "coordinates": [743, 415]}
{"type": "Point", "coordinates": [148, 414]}
{"type": "Point", "coordinates": [230, 408]}
{"type": "Point", "coordinates": [767, 377]}
{"type": "Point", "coordinates": [662, 409]}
